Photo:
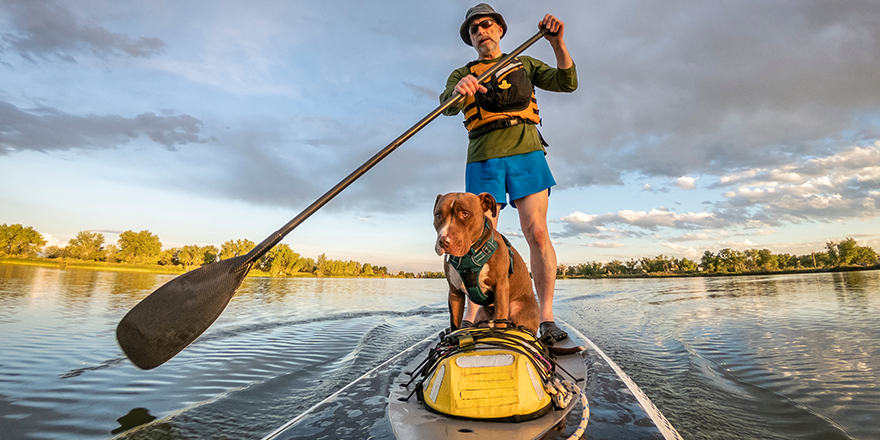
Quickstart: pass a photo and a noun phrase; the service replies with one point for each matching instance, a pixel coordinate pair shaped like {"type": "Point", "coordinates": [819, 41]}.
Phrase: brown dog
{"type": "Point", "coordinates": [461, 224]}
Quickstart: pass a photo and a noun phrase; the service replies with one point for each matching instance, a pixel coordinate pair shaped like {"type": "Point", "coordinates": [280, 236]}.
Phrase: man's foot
{"type": "Point", "coordinates": [466, 324]}
{"type": "Point", "coordinates": [550, 328]}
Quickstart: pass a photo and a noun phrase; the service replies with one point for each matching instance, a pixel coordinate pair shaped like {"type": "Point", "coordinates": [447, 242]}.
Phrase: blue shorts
{"type": "Point", "coordinates": [516, 176]}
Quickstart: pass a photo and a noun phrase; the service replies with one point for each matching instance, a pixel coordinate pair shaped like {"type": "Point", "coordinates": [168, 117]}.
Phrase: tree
{"type": "Point", "coordinates": [709, 262]}
{"type": "Point", "coordinates": [53, 252]}
{"type": "Point", "coordinates": [864, 256]}
{"type": "Point", "coordinates": [111, 254]}
{"type": "Point", "coordinates": [767, 261]}
{"type": "Point", "coordinates": [322, 266]}
{"type": "Point", "coordinates": [282, 260]}
{"type": "Point", "coordinates": [235, 248]}
{"type": "Point", "coordinates": [195, 255]}
{"type": "Point", "coordinates": [168, 257]}
{"type": "Point", "coordinates": [86, 246]}
{"type": "Point", "coordinates": [19, 240]}
{"type": "Point", "coordinates": [686, 265]}
{"type": "Point", "coordinates": [139, 247]}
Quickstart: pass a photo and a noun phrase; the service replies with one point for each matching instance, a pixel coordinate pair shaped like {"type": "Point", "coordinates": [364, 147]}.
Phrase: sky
{"type": "Point", "coordinates": [696, 125]}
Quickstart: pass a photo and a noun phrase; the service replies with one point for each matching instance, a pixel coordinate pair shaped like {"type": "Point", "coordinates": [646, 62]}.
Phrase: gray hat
{"type": "Point", "coordinates": [480, 10]}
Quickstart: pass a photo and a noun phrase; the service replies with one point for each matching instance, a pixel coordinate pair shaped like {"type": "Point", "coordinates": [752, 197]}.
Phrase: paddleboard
{"type": "Point", "coordinates": [368, 408]}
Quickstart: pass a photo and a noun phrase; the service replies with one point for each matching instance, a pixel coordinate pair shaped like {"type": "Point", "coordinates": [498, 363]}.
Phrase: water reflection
{"type": "Point", "coordinates": [135, 417]}
{"type": "Point", "coordinates": [788, 356]}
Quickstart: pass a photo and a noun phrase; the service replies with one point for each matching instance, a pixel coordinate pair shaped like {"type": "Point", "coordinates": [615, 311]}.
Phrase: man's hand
{"type": "Point", "coordinates": [469, 86]}
{"type": "Point", "coordinates": [555, 28]}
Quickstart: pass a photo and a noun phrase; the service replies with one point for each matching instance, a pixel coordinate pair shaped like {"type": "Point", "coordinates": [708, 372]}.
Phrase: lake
{"type": "Point", "coordinates": [770, 357]}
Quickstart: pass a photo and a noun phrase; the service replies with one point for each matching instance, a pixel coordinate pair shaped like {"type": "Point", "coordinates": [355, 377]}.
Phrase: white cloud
{"type": "Point", "coordinates": [606, 245]}
{"type": "Point", "coordinates": [683, 250]}
{"type": "Point", "coordinates": [685, 182]}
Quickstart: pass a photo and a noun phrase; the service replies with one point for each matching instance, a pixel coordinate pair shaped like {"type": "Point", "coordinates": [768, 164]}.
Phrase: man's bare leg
{"type": "Point", "coordinates": [542, 256]}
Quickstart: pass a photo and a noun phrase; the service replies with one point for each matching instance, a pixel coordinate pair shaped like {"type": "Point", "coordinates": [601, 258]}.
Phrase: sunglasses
{"type": "Point", "coordinates": [485, 24]}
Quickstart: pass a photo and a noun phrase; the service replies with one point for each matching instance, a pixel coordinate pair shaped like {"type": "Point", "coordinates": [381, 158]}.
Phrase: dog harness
{"type": "Point", "coordinates": [509, 100]}
{"type": "Point", "coordinates": [469, 265]}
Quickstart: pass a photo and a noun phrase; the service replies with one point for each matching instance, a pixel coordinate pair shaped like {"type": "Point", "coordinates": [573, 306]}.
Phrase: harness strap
{"type": "Point", "coordinates": [469, 265]}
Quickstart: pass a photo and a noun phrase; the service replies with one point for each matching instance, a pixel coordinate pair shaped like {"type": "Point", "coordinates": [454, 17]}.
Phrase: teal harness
{"type": "Point", "coordinates": [469, 265]}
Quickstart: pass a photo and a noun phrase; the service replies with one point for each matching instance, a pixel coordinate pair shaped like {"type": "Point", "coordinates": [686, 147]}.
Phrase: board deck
{"type": "Point", "coordinates": [411, 419]}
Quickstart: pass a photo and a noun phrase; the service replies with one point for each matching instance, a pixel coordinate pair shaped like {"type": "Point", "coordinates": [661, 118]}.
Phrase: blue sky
{"type": "Point", "coordinates": [696, 126]}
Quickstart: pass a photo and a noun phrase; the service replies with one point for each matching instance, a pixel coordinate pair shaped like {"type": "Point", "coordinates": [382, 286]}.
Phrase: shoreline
{"type": "Point", "coordinates": [727, 274]}
{"type": "Point", "coordinates": [177, 270]}
{"type": "Point", "coordinates": [147, 268]}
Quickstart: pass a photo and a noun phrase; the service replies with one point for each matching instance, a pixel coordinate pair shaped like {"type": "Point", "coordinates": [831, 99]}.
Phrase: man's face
{"type": "Point", "coordinates": [485, 39]}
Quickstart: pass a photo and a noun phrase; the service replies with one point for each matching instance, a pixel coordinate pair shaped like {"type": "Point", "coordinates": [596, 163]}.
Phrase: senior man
{"type": "Point", "coordinates": [505, 150]}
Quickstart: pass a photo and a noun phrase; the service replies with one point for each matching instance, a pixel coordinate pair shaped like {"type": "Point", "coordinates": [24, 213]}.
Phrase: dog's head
{"type": "Point", "coordinates": [459, 220]}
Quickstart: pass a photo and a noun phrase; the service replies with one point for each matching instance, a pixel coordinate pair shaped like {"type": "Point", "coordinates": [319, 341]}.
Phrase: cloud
{"type": "Point", "coordinates": [48, 129]}
{"type": "Point", "coordinates": [46, 28]}
{"type": "Point", "coordinates": [683, 250]}
{"type": "Point", "coordinates": [835, 187]}
{"type": "Point", "coordinates": [606, 245]}
{"type": "Point", "coordinates": [840, 185]}
{"type": "Point", "coordinates": [580, 223]}
{"type": "Point", "coordinates": [675, 89]}
{"type": "Point", "coordinates": [685, 182]}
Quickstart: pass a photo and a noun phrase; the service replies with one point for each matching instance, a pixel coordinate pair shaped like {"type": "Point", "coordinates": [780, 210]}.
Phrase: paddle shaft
{"type": "Point", "coordinates": [275, 238]}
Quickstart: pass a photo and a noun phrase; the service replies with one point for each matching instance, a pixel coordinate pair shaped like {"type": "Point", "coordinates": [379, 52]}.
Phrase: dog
{"type": "Point", "coordinates": [462, 223]}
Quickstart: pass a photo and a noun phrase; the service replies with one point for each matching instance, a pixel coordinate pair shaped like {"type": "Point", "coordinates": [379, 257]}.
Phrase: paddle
{"type": "Point", "coordinates": [173, 316]}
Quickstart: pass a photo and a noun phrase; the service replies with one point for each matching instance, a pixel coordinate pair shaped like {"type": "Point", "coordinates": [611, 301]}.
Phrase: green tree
{"type": "Point", "coordinates": [234, 248]}
{"type": "Point", "coordinates": [846, 251]}
{"type": "Point", "coordinates": [86, 245]}
{"type": "Point", "coordinates": [322, 265]}
{"type": "Point", "coordinates": [766, 261]}
{"type": "Point", "coordinates": [53, 252]}
{"type": "Point", "coordinates": [282, 260]}
{"type": "Point", "coordinates": [832, 254]}
{"type": "Point", "coordinates": [368, 269]}
{"type": "Point", "coordinates": [18, 240]}
{"type": "Point", "coordinates": [195, 255]}
{"type": "Point", "coordinates": [709, 262]}
{"type": "Point", "coordinates": [686, 265]}
{"type": "Point", "coordinates": [168, 257]}
{"type": "Point", "coordinates": [111, 254]}
{"type": "Point", "coordinates": [139, 247]}
{"type": "Point", "coordinates": [865, 255]}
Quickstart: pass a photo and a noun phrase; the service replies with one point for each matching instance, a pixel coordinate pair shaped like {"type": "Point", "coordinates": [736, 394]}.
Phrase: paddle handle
{"type": "Point", "coordinates": [275, 238]}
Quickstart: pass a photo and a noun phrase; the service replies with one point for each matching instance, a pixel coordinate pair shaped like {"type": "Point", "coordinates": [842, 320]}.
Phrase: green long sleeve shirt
{"type": "Point", "coordinates": [518, 139]}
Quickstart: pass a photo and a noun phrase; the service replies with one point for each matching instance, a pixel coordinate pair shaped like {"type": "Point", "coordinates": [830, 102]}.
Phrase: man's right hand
{"type": "Point", "coordinates": [469, 86]}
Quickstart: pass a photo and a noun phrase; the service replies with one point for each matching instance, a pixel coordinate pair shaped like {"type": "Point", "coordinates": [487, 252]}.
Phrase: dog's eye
{"type": "Point", "coordinates": [465, 214]}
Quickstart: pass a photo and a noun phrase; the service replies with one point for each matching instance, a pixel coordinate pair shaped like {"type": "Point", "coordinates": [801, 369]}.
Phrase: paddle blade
{"type": "Point", "coordinates": [173, 316]}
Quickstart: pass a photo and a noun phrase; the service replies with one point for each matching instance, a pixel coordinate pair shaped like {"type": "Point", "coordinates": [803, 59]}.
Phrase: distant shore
{"type": "Point", "coordinates": [726, 274]}
{"type": "Point", "coordinates": [148, 268]}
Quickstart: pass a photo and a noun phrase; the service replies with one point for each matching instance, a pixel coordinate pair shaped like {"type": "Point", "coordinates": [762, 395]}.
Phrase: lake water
{"type": "Point", "coordinates": [770, 357]}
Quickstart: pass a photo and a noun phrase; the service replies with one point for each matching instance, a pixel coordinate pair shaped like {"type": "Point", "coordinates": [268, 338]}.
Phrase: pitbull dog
{"type": "Point", "coordinates": [461, 222]}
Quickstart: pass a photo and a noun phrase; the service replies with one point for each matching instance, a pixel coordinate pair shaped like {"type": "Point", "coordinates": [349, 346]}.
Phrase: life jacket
{"type": "Point", "coordinates": [509, 100]}
{"type": "Point", "coordinates": [470, 264]}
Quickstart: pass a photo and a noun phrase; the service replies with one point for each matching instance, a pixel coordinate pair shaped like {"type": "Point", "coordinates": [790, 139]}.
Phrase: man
{"type": "Point", "coordinates": [505, 151]}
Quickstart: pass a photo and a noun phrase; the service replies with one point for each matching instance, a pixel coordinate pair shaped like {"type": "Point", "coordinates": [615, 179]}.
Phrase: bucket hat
{"type": "Point", "coordinates": [480, 10]}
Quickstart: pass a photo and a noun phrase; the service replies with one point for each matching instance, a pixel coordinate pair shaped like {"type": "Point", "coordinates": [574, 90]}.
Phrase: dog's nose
{"type": "Point", "coordinates": [444, 242]}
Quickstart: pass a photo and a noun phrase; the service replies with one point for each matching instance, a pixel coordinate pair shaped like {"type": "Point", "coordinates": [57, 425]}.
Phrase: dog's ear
{"type": "Point", "coordinates": [489, 204]}
{"type": "Point", "coordinates": [439, 196]}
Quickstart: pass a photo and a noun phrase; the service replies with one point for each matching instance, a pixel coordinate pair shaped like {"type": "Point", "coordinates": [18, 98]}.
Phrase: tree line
{"type": "Point", "coordinates": [145, 248]}
{"type": "Point", "coordinates": [727, 261]}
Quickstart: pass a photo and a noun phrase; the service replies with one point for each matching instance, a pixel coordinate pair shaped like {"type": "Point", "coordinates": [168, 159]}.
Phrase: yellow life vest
{"type": "Point", "coordinates": [509, 100]}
